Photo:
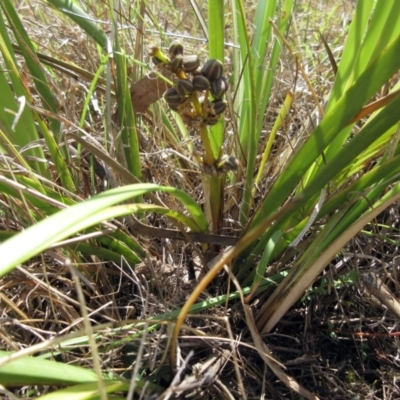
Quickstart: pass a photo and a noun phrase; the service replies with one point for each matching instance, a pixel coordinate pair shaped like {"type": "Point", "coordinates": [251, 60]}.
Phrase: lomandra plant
{"type": "Point", "coordinates": [316, 197]}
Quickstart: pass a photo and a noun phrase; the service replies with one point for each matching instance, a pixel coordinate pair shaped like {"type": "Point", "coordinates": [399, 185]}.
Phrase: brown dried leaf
{"type": "Point", "coordinates": [148, 90]}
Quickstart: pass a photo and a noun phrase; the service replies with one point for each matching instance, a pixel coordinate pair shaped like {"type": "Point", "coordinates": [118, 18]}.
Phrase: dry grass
{"type": "Point", "coordinates": [339, 341]}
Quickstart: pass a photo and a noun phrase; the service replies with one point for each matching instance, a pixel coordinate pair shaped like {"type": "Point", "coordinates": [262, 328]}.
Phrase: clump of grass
{"type": "Point", "coordinates": [121, 196]}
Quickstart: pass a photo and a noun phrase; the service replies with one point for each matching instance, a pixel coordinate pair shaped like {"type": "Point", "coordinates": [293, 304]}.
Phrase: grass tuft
{"type": "Point", "coordinates": [229, 232]}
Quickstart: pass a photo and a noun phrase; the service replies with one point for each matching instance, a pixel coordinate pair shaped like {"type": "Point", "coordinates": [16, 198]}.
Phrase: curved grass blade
{"type": "Point", "coordinates": [375, 75]}
{"type": "Point", "coordinates": [24, 133]}
{"type": "Point", "coordinates": [81, 216]}
{"type": "Point", "coordinates": [90, 391]}
{"type": "Point", "coordinates": [216, 19]}
{"type": "Point", "coordinates": [36, 371]}
{"type": "Point", "coordinates": [248, 105]}
{"type": "Point", "coordinates": [263, 264]}
{"type": "Point", "coordinates": [32, 60]}
{"type": "Point", "coordinates": [273, 310]}
{"type": "Point", "coordinates": [129, 137]}
{"type": "Point", "coordinates": [257, 79]}
{"type": "Point", "coordinates": [383, 121]}
{"type": "Point", "coordinates": [373, 28]}
{"type": "Point", "coordinates": [387, 172]}
{"type": "Point", "coordinates": [87, 23]}
{"type": "Point", "coordinates": [16, 120]}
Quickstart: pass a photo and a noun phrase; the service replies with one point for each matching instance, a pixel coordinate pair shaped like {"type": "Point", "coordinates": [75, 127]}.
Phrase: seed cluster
{"type": "Point", "coordinates": [198, 91]}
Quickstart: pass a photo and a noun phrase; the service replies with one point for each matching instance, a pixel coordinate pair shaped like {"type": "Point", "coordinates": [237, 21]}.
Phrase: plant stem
{"type": "Point", "coordinates": [209, 158]}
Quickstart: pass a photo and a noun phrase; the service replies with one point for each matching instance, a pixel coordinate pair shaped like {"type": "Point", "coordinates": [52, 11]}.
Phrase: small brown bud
{"type": "Point", "coordinates": [196, 71]}
{"type": "Point", "coordinates": [156, 60]}
{"type": "Point", "coordinates": [172, 97]}
{"type": "Point", "coordinates": [200, 82]}
{"type": "Point", "coordinates": [184, 87]}
{"type": "Point", "coordinates": [218, 106]}
{"type": "Point", "coordinates": [211, 119]}
{"type": "Point", "coordinates": [213, 70]}
{"type": "Point", "coordinates": [175, 49]}
{"type": "Point", "coordinates": [176, 63]}
{"type": "Point", "coordinates": [232, 163]}
{"type": "Point", "coordinates": [219, 87]}
{"type": "Point", "coordinates": [190, 63]}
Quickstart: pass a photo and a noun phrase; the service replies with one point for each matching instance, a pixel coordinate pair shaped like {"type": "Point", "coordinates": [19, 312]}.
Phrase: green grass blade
{"type": "Point", "coordinates": [265, 259]}
{"type": "Point", "coordinates": [85, 21]}
{"type": "Point", "coordinates": [203, 305]}
{"type": "Point", "coordinates": [216, 22]}
{"type": "Point", "coordinates": [351, 50]}
{"type": "Point", "coordinates": [216, 34]}
{"type": "Point", "coordinates": [36, 371]}
{"type": "Point", "coordinates": [90, 391]}
{"type": "Point", "coordinates": [33, 63]}
{"type": "Point", "coordinates": [266, 74]}
{"type": "Point", "coordinates": [248, 103]}
{"type": "Point", "coordinates": [81, 216]}
{"type": "Point", "coordinates": [257, 79]}
{"type": "Point", "coordinates": [214, 185]}
{"type": "Point", "coordinates": [376, 127]}
{"type": "Point", "coordinates": [371, 30]}
{"type": "Point", "coordinates": [271, 139]}
{"type": "Point", "coordinates": [383, 121]}
{"type": "Point", "coordinates": [25, 131]}
{"type": "Point", "coordinates": [129, 137]}
{"type": "Point", "coordinates": [375, 75]}
{"type": "Point", "coordinates": [115, 251]}
{"type": "Point", "coordinates": [387, 172]}
{"type": "Point", "coordinates": [20, 131]}
{"type": "Point", "coordinates": [369, 133]}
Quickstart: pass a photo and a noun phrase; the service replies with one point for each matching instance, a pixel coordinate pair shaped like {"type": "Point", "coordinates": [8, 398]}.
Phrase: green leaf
{"type": "Point", "coordinates": [33, 63]}
{"type": "Point", "coordinates": [216, 19]}
{"type": "Point", "coordinates": [85, 21]}
{"type": "Point", "coordinates": [25, 132]}
{"type": "Point", "coordinates": [374, 76]}
{"type": "Point", "coordinates": [80, 216]}
{"type": "Point", "coordinates": [36, 371]}
{"type": "Point", "coordinates": [88, 391]}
